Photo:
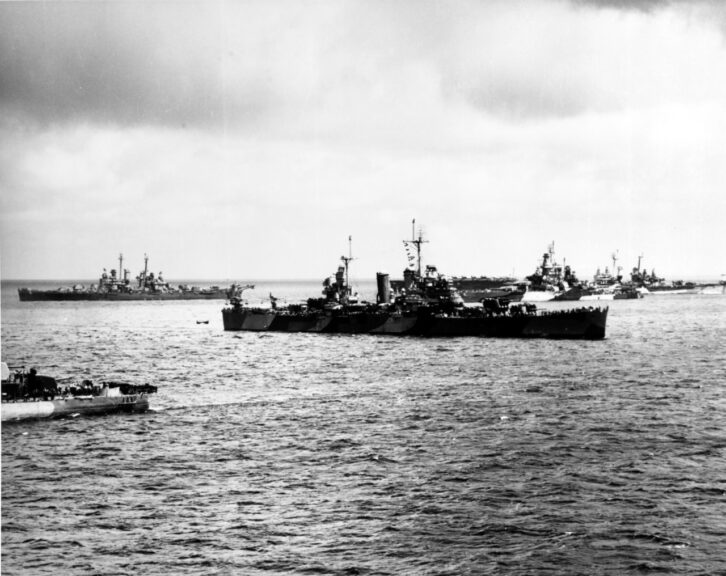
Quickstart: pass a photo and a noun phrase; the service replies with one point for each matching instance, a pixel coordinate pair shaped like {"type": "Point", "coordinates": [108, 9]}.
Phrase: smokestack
{"type": "Point", "coordinates": [384, 288]}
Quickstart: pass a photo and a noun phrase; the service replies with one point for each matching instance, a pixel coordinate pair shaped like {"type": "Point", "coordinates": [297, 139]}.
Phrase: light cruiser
{"type": "Point", "coordinates": [427, 305]}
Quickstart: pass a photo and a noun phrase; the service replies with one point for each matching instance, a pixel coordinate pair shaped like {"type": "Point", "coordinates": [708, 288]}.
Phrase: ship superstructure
{"type": "Point", "coordinates": [550, 279]}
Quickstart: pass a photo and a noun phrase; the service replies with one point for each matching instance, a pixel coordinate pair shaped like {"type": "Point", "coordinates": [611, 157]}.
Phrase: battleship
{"type": "Point", "coordinates": [117, 286]}
{"type": "Point", "coordinates": [427, 305]}
{"type": "Point", "coordinates": [551, 281]}
{"type": "Point", "coordinates": [26, 395]}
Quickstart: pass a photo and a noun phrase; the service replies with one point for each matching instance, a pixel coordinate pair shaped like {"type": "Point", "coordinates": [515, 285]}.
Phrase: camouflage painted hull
{"type": "Point", "coordinates": [77, 405]}
{"type": "Point", "coordinates": [581, 323]}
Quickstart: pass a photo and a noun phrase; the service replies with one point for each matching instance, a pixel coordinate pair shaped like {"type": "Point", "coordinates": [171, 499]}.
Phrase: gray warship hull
{"type": "Point", "coordinates": [28, 295]}
{"type": "Point", "coordinates": [579, 324]}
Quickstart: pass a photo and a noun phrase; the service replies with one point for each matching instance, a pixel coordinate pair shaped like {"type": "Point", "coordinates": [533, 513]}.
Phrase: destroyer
{"type": "Point", "coordinates": [427, 305]}
{"type": "Point", "coordinates": [28, 395]}
{"type": "Point", "coordinates": [119, 287]}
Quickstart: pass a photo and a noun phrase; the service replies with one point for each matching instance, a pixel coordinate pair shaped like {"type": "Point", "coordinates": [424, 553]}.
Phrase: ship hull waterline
{"type": "Point", "coordinates": [78, 405]}
{"type": "Point", "coordinates": [579, 324]}
{"type": "Point", "coordinates": [62, 296]}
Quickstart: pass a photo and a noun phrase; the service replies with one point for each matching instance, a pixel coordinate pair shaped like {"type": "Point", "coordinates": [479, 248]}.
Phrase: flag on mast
{"type": "Point", "coordinates": [409, 252]}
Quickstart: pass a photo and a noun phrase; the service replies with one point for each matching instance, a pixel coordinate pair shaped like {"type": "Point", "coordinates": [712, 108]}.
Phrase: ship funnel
{"type": "Point", "coordinates": [384, 288]}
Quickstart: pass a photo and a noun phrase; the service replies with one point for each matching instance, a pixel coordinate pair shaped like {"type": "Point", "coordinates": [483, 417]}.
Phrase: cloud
{"type": "Point", "coordinates": [330, 69]}
{"type": "Point", "coordinates": [249, 66]}
{"type": "Point", "coordinates": [545, 60]}
{"type": "Point", "coordinates": [644, 5]}
{"type": "Point", "coordinates": [709, 12]}
{"type": "Point", "coordinates": [129, 63]}
{"type": "Point", "coordinates": [249, 134]}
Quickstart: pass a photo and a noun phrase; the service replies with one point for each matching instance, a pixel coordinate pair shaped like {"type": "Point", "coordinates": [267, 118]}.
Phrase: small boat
{"type": "Point", "coordinates": [598, 294]}
{"type": "Point", "coordinates": [28, 395]}
{"type": "Point", "coordinates": [202, 321]}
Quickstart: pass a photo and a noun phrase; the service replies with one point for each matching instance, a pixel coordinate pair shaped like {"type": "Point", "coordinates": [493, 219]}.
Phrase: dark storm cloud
{"type": "Point", "coordinates": [339, 67]}
{"type": "Point", "coordinates": [626, 4]}
{"type": "Point", "coordinates": [127, 63]}
{"type": "Point", "coordinates": [643, 5]}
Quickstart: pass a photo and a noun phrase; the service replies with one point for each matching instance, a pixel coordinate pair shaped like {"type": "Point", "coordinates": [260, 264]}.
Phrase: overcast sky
{"type": "Point", "coordinates": [250, 139]}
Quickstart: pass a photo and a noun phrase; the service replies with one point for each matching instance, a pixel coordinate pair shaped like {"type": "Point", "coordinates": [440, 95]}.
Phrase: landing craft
{"type": "Point", "coordinates": [28, 395]}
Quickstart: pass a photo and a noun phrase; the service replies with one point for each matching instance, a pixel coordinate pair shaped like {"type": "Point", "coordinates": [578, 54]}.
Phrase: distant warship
{"type": "Point", "coordinates": [118, 287]}
{"type": "Point", "coordinates": [605, 285]}
{"type": "Point", "coordinates": [426, 305]}
{"type": "Point", "coordinates": [652, 284]}
{"type": "Point", "coordinates": [551, 280]}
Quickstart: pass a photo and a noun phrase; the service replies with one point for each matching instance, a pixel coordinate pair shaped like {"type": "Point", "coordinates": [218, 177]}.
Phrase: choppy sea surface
{"type": "Point", "coordinates": [326, 454]}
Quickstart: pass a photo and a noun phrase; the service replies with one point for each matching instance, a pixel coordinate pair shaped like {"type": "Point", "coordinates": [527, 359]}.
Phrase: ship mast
{"type": "Point", "coordinates": [417, 241]}
{"type": "Point", "coordinates": [548, 259]}
{"type": "Point", "coordinates": [348, 259]}
{"type": "Point", "coordinates": [615, 261]}
{"type": "Point", "coordinates": [120, 267]}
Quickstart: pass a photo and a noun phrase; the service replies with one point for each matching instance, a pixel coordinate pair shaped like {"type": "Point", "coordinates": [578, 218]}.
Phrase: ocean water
{"type": "Point", "coordinates": [323, 454]}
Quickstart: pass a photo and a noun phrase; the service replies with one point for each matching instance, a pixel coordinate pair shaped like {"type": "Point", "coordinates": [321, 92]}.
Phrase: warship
{"type": "Point", "coordinates": [506, 292]}
{"type": "Point", "coordinates": [28, 395]}
{"type": "Point", "coordinates": [478, 288]}
{"type": "Point", "coordinates": [551, 281]}
{"type": "Point", "coordinates": [652, 284]}
{"type": "Point", "coordinates": [604, 286]}
{"type": "Point", "coordinates": [117, 286]}
{"type": "Point", "coordinates": [427, 305]}
{"type": "Point", "coordinates": [473, 289]}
